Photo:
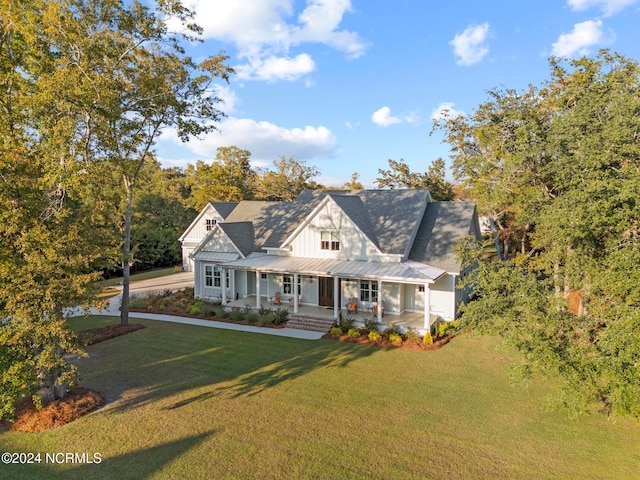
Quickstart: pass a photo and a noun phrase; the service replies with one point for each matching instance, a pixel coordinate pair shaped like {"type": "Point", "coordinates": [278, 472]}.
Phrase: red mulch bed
{"type": "Point", "coordinates": [384, 342]}
{"type": "Point", "coordinates": [97, 335]}
{"type": "Point", "coordinates": [78, 402]}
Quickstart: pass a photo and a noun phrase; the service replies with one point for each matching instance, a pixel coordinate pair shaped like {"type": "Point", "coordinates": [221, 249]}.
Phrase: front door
{"type": "Point", "coordinates": [325, 291]}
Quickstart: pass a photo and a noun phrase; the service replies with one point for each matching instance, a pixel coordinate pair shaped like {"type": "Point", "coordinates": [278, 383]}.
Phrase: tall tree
{"type": "Point", "coordinates": [159, 217]}
{"type": "Point", "coordinates": [289, 178]}
{"type": "Point", "coordinates": [126, 78]}
{"type": "Point", "coordinates": [399, 175]}
{"type": "Point", "coordinates": [51, 228]}
{"type": "Point", "coordinates": [563, 160]}
{"type": "Point", "coordinates": [229, 178]}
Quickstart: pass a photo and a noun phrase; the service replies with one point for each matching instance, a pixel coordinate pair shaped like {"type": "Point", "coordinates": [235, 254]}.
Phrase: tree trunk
{"type": "Point", "coordinates": [126, 253]}
{"type": "Point", "coordinates": [494, 231]}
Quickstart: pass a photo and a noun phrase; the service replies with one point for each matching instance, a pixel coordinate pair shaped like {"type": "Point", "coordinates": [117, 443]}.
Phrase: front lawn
{"type": "Point", "coordinates": [195, 402]}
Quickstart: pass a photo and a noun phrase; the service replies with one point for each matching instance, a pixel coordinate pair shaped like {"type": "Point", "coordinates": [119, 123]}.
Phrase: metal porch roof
{"type": "Point", "coordinates": [216, 257]}
{"type": "Point", "coordinates": [411, 272]}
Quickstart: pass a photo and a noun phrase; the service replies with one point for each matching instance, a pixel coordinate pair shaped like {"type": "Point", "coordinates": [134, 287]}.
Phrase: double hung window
{"type": "Point", "coordinates": [329, 240]}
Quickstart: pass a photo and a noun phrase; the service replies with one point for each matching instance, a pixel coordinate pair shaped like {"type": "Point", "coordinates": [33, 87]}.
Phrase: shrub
{"type": "Point", "coordinates": [392, 328]}
{"type": "Point", "coordinates": [374, 335]}
{"type": "Point", "coordinates": [237, 314]}
{"type": "Point", "coordinates": [280, 316]}
{"type": "Point", "coordinates": [411, 335]}
{"type": "Point", "coordinates": [346, 322]}
{"type": "Point", "coordinates": [188, 292]}
{"type": "Point", "coordinates": [195, 308]}
{"type": "Point", "coordinates": [137, 302]}
{"type": "Point", "coordinates": [252, 317]}
{"type": "Point", "coordinates": [208, 309]}
{"type": "Point", "coordinates": [395, 338]}
{"type": "Point", "coordinates": [428, 339]}
{"type": "Point", "coordinates": [335, 331]}
{"type": "Point", "coordinates": [444, 327]}
{"type": "Point", "coordinates": [371, 324]}
{"type": "Point", "coordinates": [353, 332]}
{"type": "Point", "coordinates": [220, 312]}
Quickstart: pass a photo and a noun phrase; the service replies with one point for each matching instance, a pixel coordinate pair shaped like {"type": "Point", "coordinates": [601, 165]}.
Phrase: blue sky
{"type": "Point", "coordinates": [346, 85]}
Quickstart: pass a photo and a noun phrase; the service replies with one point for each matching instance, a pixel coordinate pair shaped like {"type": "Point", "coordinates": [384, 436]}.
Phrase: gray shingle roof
{"type": "Point", "coordinates": [357, 212]}
{"type": "Point", "coordinates": [443, 223]}
{"type": "Point", "coordinates": [224, 208]}
{"type": "Point", "coordinates": [241, 234]}
{"type": "Point", "coordinates": [265, 216]}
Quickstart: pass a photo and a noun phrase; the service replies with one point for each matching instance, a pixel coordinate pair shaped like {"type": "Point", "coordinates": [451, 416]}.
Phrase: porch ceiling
{"type": "Point", "coordinates": [412, 272]}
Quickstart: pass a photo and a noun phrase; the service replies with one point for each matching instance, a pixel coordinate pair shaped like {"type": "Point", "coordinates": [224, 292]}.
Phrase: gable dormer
{"type": "Point", "coordinates": [339, 227]}
{"type": "Point", "coordinates": [212, 214]}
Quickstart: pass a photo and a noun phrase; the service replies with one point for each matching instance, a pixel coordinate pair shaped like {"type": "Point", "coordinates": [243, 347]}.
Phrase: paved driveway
{"type": "Point", "coordinates": [175, 281]}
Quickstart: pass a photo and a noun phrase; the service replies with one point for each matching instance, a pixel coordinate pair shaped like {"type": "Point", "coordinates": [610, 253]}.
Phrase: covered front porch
{"type": "Point", "coordinates": [404, 320]}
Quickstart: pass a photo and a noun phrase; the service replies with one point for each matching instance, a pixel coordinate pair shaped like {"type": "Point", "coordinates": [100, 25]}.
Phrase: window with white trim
{"type": "Point", "coordinates": [421, 288]}
{"type": "Point", "coordinates": [209, 223]}
{"type": "Point", "coordinates": [369, 291]}
{"type": "Point", "coordinates": [287, 284]}
{"type": "Point", "coordinates": [329, 240]}
{"type": "Point", "coordinates": [216, 276]}
{"type": "Point", "coordinates": [208, 275]}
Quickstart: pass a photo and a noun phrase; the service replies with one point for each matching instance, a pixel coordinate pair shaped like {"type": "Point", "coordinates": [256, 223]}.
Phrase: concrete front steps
{"type": "Point", "coordinates": [314, 324]}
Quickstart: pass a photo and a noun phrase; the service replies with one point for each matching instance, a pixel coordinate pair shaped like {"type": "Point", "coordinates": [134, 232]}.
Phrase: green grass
{"type": "Point", "coordinates": [110, 282]}
{"type": "Point", "coordinates": [193, 402]}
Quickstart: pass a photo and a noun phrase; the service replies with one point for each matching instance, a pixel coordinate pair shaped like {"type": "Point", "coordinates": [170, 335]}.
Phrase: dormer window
{"type": "Point", "coordinates": [329, 240]}
{"type": "Point", "coordinates": [209, 223]}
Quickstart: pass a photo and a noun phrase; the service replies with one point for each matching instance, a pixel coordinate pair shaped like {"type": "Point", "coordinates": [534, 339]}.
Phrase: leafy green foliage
{"type": "Point", "coordinates": [399, 176]}
{"type": "Point", "coordinates": [556, 167]}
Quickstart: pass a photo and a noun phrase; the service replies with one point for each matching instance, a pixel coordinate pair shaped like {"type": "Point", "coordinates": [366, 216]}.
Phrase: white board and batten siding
{"type": "Point", "coordinates": [196, 232]}
{"type": "Point", "coordinates": [354, 245]}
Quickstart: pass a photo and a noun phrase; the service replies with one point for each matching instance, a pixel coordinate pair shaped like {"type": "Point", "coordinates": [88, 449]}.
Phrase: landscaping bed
{"type": "Point", "coordinates": [391, 337]}
{"type": "Point", "coordinates": [78, 402]}
{"type": "Point", "coordinates": [385, 342]}
{"type": "Point", "coordinates": [182, 303]}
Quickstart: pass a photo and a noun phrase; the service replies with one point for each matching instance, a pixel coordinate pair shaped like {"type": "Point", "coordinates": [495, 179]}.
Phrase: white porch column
{"type": "Point", "coordinates": [379, 301]}
{"type": "Point", "coordinates": [336, 299]}
{"type": "Point", "coordinates": [427, 314]}
{"type": "Point", "coordinates": [223, 284]}
{"type": "Point", "coordinates": [296, 292]}
{"type": "Point", "coordinates": [258, 275]}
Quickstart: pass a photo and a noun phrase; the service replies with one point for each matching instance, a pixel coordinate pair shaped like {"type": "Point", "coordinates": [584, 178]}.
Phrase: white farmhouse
{"type": "Point", "coordinates": [386, 252]}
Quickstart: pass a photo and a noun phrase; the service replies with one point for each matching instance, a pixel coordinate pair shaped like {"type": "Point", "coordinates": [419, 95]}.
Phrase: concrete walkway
{"type": "Point", "coordinates": [178, 281]}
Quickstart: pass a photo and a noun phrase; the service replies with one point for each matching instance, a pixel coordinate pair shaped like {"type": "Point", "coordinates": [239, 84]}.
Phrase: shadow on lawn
{"type": "Point", "coordinates": [166, 359]}
{"type": "Point", "coordinates": [138, 464]}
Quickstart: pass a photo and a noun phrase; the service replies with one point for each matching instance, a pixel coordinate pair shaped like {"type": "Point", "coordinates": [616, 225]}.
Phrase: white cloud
{"type": "Point", "coordinates": [276, 68]}
{"type": "Point", "coordinates": [228, 97]}
{"type": "Point", "coordinates": [584, 35]}
{"type": "Point", "coordinates": [383, 117]}
{"type": "Point", "coordinates": [470, 46]}
{"type": "Point", "coordinates": [445, 110]}
{"type": "Point", "coordinates": [266, 141]}
{"type": "Point", "coordinates": [608, 7]}
{"type": "Point", "coordinates": [264, 30]}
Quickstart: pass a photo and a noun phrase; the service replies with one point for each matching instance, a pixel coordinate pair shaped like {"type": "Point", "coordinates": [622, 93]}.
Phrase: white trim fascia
{"type": "Point", "coordinates": [305, 222]}
{"type": "Point", "coordinates": [197, 219]}
{"type": "Point", "coordinates": [314, 213]}
{"type": "Point", "coordinates": [208, 236]}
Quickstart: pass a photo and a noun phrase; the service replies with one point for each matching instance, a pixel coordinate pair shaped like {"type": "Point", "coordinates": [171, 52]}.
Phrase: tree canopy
{"type": "Point", "coordinates": [558, 168]}
{"type": "Point", "coordinates": [400, 176]}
